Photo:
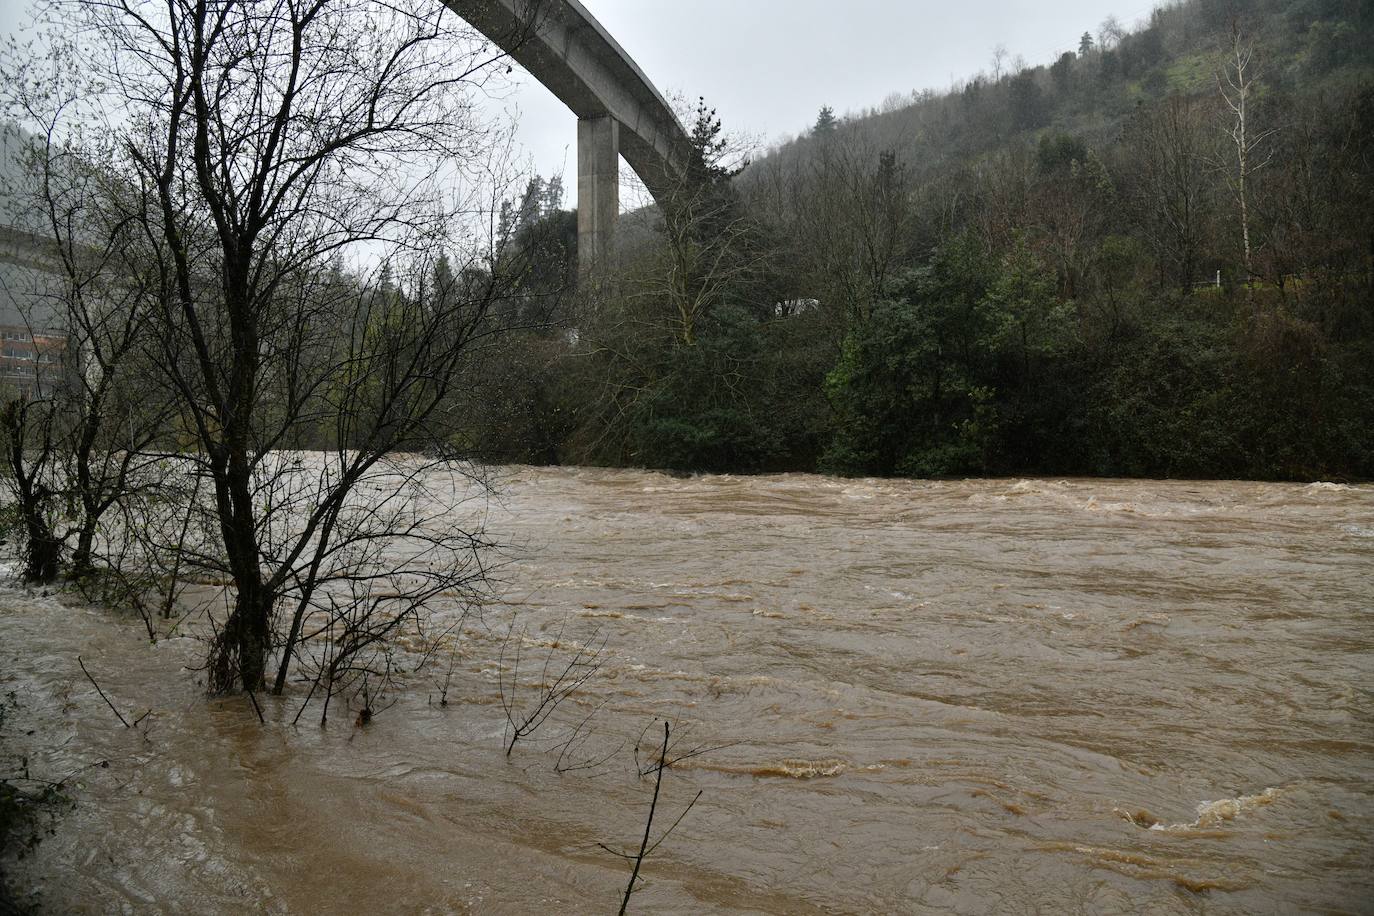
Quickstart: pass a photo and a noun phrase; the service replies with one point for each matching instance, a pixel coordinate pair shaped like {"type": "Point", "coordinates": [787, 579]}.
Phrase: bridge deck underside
{"type": "Point", "coordinates": [570, 53]}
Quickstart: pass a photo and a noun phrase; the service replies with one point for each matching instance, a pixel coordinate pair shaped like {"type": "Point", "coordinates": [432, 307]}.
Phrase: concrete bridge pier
{"type": "Point", "coordinates": [619, 111]}
{"type": "Point", "coordinates": [598, 189]}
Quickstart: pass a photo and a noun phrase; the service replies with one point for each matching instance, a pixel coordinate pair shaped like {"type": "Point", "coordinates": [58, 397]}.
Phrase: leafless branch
{"type": "Point", "coordinates": [645, 849]}
{"type": "Point", "coordinates": [563, 672]}
{"type": "Point", "coordinates": [113, 709]}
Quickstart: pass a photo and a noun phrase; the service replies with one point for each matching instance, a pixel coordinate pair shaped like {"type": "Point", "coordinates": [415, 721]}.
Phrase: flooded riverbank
{"type": "Point", "coordinates": [956, 696]}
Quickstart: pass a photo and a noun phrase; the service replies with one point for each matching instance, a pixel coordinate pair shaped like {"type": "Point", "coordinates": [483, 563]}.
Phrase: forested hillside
{"type": "Point", "coordinates": [1152, 256]}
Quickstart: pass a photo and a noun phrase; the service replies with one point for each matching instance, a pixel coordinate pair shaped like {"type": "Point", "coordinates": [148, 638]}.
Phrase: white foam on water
{"type": "Point", "coordinates": [1324, 486]}
{"type": "Point", "coordinates": [1212, 814]}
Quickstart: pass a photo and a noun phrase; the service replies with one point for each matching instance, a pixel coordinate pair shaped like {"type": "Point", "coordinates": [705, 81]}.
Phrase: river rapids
{"type": "Point", "coordinates": [964, 697]}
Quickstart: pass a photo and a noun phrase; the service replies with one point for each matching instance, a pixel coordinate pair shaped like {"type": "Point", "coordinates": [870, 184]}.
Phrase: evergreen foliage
{"type": "Point", "coordinates": [1052, 270]}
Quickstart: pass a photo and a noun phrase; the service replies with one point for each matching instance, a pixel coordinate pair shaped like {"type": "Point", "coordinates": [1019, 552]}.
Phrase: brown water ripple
{"type": "Point", "coordinates": [959, 696]}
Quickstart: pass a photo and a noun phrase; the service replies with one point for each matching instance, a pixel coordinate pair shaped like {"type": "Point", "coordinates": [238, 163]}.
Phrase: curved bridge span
{"type": "Point", "coordinates": [619, 111]}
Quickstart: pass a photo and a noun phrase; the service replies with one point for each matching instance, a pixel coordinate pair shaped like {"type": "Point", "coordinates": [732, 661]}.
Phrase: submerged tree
{"type": "Point", "coordinates": [259, 140]}
{"type": "Point", "coordinates": [80, 422]}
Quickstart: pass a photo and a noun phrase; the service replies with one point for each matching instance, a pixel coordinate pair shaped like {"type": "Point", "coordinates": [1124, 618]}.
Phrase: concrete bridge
{"type": "Point", "coordinates": [619, 112]}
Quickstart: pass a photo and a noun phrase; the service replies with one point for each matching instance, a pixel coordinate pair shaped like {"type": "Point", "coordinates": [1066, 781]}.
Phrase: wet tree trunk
{"type": "Point", "coordinates": [82, 562]}
{"type": "Point", "coordinates": [42, 547]}
{"type": "Point", "coordinates": [241, 650]}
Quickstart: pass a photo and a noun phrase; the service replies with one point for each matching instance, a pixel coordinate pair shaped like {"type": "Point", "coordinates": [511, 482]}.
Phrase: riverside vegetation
{"type": "Point", "coordinates": [1152, 257]}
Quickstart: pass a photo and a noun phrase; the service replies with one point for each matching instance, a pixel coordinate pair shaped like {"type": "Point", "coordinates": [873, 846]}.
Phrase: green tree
{"type": "Point", "coordinates": [911, 390]}
{"type": "Point", "coordinates": [709, 241]}
{"type": "Point", "coordinates": [1061, 71]}
{"type": "Point", "coordinates": [1027, 102]}
{"type": "Point", "coordinates": [825, 122]}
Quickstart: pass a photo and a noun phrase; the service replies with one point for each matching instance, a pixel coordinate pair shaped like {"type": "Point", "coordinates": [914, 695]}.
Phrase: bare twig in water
{"type": "Point", "coordinates": [570, 756]}
{"type": "Point", "coordinates": [579, 668]}
{"type": "Point", "coordinates": [256, 708]}
{"type": "Point", "coordinates": [674, 753]}
{"type": "Point", "coordinates": [307, 701]}
{"type": "Point", "coordinates": [645, 850]}
{"type": "Point", "coordinates": [368, 710]}
{"type": "Point", "coordinates": [450, 638]}
{"type": "Point", "coordinates": [122, 720]}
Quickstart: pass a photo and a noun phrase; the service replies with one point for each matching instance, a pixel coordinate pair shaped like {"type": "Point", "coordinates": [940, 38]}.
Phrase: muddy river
{"type": "Point", "coordinates": [986, 696]}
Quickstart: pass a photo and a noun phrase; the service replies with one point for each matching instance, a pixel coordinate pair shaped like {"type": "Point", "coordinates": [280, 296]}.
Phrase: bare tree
{"type": "Point", "coordinates": [1168, 186]}
{"type": "Point", "coordinates": [1236, 82]}
{"type": "Point", "coordinates": [88, 298]}
{"type": "Point", "coordinates": [265, 139]}
{"type": "Point", "coordinates": [999, 62]}
{"type": "Point", "coordinates": [1070, 207]}
{"type": "Point", "coordinates": [1110, 33]}
{"type": "Point", "coordinates": [148, 547]}
{"type": "Point", "coordinates": [848, 213]}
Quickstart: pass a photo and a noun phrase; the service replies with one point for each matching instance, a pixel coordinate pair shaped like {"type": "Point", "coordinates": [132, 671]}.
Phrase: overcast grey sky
{"type": "Point", "coordinates": [769, 65]}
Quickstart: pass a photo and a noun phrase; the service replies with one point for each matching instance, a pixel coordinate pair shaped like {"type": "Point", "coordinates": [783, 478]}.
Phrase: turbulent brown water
{"type": "Point", "coordinates": [1012, 696]}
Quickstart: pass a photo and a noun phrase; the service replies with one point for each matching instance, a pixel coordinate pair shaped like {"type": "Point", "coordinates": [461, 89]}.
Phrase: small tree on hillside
{"type": "Point", "coordinates": [826, 122]}
{"type": "Point", "coordinates": [708, 236]}
{"type": "Point", "coordinates": [1237, 83]}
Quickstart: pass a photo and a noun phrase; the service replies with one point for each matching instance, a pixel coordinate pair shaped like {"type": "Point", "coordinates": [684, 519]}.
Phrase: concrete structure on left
{"type": "Point", "coordinates": [32, 342]}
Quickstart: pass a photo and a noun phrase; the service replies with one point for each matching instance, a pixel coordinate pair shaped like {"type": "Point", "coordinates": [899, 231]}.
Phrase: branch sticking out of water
{"type": "Point", "coordinates": [645, 850]}
{"type": "Point", "coordinates": [674, 753]}
{"type": "Point", "coordinates": [571, 755]}
{"type": "Point", "coordinates": [122, 720]}
{"type": "Point", "coordinates": [557, 680]}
